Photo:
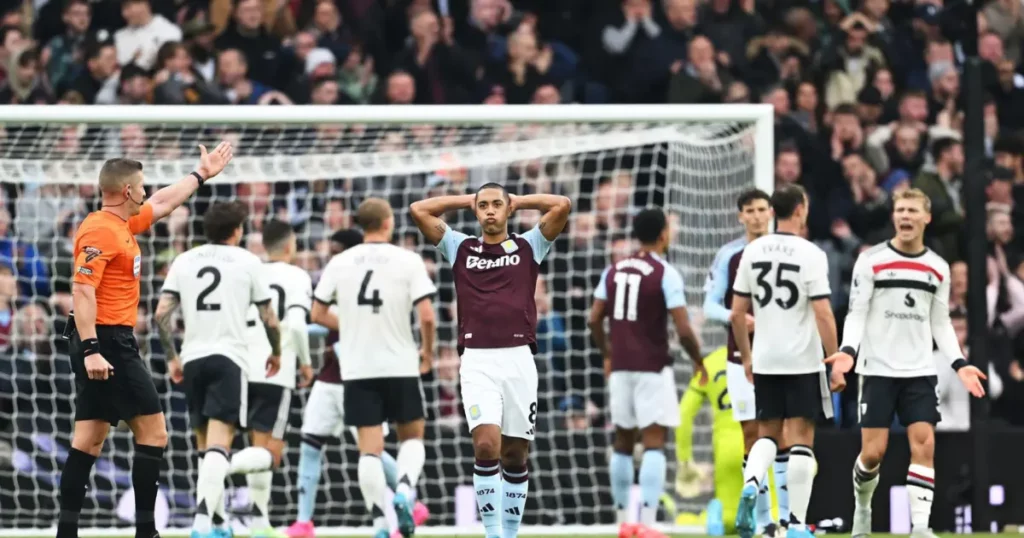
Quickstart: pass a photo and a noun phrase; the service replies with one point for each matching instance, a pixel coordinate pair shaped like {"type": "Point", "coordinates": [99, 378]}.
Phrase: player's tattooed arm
{"type": "Point", "coordinates": [164, 313]}
{"type": "Point", "coordinates": [272, 326]}
{"type": "Point", "coordinates": [556, 209]}
{"type": "Point", "coordinates": [427, 214]}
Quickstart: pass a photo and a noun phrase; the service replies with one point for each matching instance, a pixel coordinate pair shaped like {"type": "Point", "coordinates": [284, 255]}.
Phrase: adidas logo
{"type": "Point", "coordinates": [514, 511]}
{"type": "Point", "coordinates": [486, 509]}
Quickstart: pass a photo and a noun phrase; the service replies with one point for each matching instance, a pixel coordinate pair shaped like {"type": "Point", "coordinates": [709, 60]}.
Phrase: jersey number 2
{"type": "Point", "coordinates": [781, 281]}
{"type": "Point", "coordinates": [627, 293]}
{"type": "Point", "coordinates": [201, 304]}
{"type": "Point", "coordinates": [374, 299]}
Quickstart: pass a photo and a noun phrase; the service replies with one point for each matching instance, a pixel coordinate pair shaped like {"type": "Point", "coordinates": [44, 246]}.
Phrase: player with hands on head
{"type": "Point", "coordinates": [214, 285]}
{"type": "Point", "coordinates": [638, 295]}
{"type": "Point", "coordinates": [376, 285]}
{"type": "Point", "coordinates": [112, 381]}
{"type": "Point", "coordinates": [755, 214]}
{"type": "Point", "coordinates": [785, 278]}
{"type": "Point", "coordinates": [899, 305]}
{"type": "Point", "coordinates": [495, 280]}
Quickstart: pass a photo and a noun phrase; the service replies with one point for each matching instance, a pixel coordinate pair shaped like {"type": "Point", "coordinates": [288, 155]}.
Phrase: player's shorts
{"type": "Point", "coordinates": [216, 388]}
{"type": "Point", "coordinates": [912, 399]}
{"type": "Point", "coordinates": [368, 402]}
{"type": "Point", "coordinates": [129, 393]}
{"type": "Point", "coordinates": [642, 399]}
{"type": "Point", "coordinates": [499, 386]}
{"type": "Point", "coordinates": [269, 406]}
{"type": "Point", "coordinates": [741, 392]}
{"type": "Point", "coordinates": [792, 396]}
{"type": "Point", "coordinates": [324, 415]}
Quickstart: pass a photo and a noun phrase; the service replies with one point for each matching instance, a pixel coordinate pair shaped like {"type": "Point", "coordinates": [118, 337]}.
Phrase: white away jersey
{"type": "Point", "coordinates": [782, 274]}
{"type": "Point", "coordinates": [375, 286]}
{"type": "Point", "coordinates": [290, 289]}
{"type": "Point", "coordinates": [899, 304]}
{"type": "Point", "coordinates": [215, 285]}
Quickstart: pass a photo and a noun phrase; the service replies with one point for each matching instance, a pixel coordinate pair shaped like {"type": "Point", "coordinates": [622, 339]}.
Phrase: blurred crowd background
{"type": "Point", "coordinates": [867, 99]}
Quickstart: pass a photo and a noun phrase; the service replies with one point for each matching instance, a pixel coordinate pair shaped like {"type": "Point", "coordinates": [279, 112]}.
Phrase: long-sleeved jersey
{"type": "Point", "coordinates": [899, 305]}
{"type": "Point", "coordinates": [718, 282]}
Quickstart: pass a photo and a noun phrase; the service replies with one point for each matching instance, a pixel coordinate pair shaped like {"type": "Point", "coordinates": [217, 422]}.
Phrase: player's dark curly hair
{"type": "Point", "coordinates": [786, 199]}
{"type": "Point", "coordinates": [222, 219]}
{"type": "Point", "coordinates": [749, 196]}
{"type": "Point", "coordinates": [648, 225]}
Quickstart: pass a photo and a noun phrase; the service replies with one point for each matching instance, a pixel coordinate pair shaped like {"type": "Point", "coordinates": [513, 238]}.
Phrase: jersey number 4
{"type": "Point", "coordinates": [371, 300]}
{"type": "Point", "coordinates": [783, 280]}
{"type": "Point", "coordinates": [627, 293]}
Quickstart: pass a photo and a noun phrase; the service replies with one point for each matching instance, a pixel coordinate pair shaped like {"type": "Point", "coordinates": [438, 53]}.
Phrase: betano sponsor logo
{"type": "Point", "coordinates": [484, 264]}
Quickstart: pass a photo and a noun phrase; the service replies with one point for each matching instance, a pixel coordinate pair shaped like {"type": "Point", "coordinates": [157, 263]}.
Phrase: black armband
{"type": "Point", "coordinates": [849, 351]}
{"type": "Point", "coordinates": [198, 177]}
{"type": "Point", "coordinates": [90, 346]}
{"type": "Point", "coordinates": [958, 364]}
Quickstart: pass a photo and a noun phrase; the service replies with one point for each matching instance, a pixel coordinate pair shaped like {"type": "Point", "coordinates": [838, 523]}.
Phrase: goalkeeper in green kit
{"type": "Point", "coordinates": [727, 442]}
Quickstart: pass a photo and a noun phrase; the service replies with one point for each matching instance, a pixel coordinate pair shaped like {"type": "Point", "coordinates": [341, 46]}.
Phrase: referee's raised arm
{"type": "Point", "coordinates": [170, 197]}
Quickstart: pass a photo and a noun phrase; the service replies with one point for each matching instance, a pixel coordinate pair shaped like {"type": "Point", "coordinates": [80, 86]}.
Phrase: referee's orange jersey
{"type": "Point", "coordinates": [107, 257]}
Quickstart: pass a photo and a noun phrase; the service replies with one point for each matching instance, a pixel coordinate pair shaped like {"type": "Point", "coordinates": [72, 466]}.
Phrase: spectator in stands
{"type": "Point", "coordinates": [11, 39]}
{"type": "Point", "coordinates": [943, 186]}
{"type": "Point", "coordinates": [400, 89]}
{"type": "Point", "coordinates": [100, 67]}
{"type": "Point", "coordinates": [62, 56]}
{"type": "Point", "coordinates": [261, 50]}
{"type": "Point", "coordinates": [177, 82]}
{"type": "Point", "coordinates": [139, 41]}
{"type": "Point", "coordinates": [523, 71]}
{"type": "Point", "coordinates": [356, 78]}
{"type": "Point", "coordinates": [25, 84]}
{"type": "Point", "coordinates": [8, 301]}
{"type": "Point", "coordinates": [443, 72]}
{"type": "Point", "coordinates": [327, 24]}
{"type": "Point", "coordinates": [701, 79]}
{"type": "Point", "coordinates": [135, 87]}
{"type": "Point", "coordinates": [238, 88]}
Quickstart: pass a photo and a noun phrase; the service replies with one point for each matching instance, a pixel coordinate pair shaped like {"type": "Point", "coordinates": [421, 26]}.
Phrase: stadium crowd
{"type": "Point", "coordinates": [866, 95]}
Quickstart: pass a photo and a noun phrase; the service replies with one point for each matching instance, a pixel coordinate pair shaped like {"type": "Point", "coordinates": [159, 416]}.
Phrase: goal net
{"type": "Point", "coordinates": [311, 167]}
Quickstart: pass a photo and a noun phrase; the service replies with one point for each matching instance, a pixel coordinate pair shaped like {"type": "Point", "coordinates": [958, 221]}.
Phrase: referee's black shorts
{"type": "Point", "coordinates": [127, 394]}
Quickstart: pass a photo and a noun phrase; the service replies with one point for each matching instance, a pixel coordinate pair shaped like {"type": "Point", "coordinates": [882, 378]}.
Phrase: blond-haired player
{"type": "Point", "coordinates": [899, 304]}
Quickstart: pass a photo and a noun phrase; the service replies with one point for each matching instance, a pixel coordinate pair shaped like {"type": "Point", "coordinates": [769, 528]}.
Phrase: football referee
{"type": "Point", "coordinates": [112, 383]}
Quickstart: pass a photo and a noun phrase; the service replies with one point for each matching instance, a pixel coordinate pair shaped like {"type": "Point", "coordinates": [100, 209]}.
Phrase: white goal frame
{"type": "Point", "coordinates": [760, 116]}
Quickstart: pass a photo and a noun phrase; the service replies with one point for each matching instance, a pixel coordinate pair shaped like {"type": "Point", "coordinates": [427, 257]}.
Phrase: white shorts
{"type": "Point", "coordinates": [641, 399]}
{"type": "Point", "coordinates": [324, 415]}
{"type": "Point", "coordinates": [499, 386]}
{"type": "Point", "coordinates": [741, 392]}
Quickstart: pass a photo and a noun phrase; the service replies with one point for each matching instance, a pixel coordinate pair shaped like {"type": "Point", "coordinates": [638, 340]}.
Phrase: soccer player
{"type": "Point", "coordinates": [270, 397]}
{"type": "Point", "coordinates": [214, 285]}
{"type": "Point", "coordinates": [376, 285]}
{"type": "Point", "coordinates": [112, 381]}
{"type": "Point", "coordinates": [643, 291]}
{"type": "Point", "coordinates": [756, 216]}
{"type": "Point", "coordinates": [323, 418]}
{"type": "Point", "coordinates": [726, 434]}
{"type": "Point", "coordinates": [899, 305]}
{"type": "Point", "coordinates": [495, 280]}
{"type": "Point", "coordinates": [786, 278]}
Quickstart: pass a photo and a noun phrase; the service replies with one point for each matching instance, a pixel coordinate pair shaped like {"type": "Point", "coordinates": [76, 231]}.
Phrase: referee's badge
{"type": "Point", "coordinates": [137, 266]}
{"type": "Point", "coordinates": [510, 246]}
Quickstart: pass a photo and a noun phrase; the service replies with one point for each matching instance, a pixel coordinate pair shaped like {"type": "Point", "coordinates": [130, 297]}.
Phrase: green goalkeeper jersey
{"type": "Point", "coordinates": [724, 428]}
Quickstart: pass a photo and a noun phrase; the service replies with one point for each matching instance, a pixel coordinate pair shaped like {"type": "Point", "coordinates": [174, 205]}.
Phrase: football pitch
{"type": "Point", "coordinates": [466, 534]}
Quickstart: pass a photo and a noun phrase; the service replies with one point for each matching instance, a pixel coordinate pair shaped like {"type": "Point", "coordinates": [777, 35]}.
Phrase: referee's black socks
{"type": "Point", "coordinates": [146, 480]}
{"type": "Point", "coordinates": [74, 480]}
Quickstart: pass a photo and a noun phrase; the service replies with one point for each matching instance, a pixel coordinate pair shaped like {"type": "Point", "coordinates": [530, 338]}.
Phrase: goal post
{"type": "Point", "coordinates": [311, 166]}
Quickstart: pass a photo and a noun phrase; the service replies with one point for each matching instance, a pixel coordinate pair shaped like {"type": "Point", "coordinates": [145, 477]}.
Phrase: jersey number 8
{"type": "Point", "coordinates": [782, 281]}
